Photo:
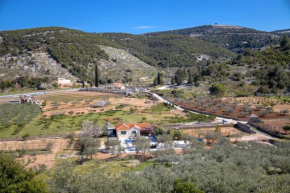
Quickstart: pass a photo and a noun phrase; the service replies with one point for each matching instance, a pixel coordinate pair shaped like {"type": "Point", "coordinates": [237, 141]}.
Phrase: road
{"type": "Point", "coordinates": [218, 119]}
{"type": "Point", "coordinates": [38, 93]}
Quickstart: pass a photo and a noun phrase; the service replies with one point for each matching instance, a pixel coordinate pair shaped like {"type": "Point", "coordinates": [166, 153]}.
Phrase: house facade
{"type": "Point", "coordinates": [62, 82]}
{"type": "Point", "coordinates": [134, 130]}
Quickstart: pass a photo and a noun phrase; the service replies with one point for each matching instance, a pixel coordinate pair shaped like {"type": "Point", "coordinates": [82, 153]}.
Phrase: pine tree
{"type": "Point", "coordinates": [97, 75]}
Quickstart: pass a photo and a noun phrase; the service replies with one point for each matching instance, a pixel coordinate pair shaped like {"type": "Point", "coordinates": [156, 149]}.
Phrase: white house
{"type": "Point", "coordinates": [62, 82]}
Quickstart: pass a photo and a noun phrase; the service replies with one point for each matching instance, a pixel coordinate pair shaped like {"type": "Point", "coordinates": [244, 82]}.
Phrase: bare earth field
{"type": "Point", "coordinates": [80, 102]}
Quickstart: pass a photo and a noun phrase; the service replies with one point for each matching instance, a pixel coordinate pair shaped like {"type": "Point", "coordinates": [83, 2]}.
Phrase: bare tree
{"type": "Point", "coordinates": [89, 128]}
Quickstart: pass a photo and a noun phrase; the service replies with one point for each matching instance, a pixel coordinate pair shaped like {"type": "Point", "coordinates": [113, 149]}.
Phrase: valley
{"type": "Point", "coordinates": [207, 107]}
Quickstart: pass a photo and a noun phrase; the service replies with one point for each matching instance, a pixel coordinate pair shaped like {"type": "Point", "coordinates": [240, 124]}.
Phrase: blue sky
{"type": "Point", "coordinates": [140, 16]}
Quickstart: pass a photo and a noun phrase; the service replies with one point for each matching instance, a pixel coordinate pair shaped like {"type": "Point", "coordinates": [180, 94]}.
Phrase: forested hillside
{"type": "Point", "coordinates": [234, 38]}
{"type": "Point", "coordinates": [267, 71]}
{"type": "Point", "coordinates": [169, 50]}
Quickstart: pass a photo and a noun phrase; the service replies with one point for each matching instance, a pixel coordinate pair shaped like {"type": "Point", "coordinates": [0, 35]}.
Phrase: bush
{"type": "Point", "coordinates": [218, 89]}
{"type": "Point", "coordinates": [286, 128]}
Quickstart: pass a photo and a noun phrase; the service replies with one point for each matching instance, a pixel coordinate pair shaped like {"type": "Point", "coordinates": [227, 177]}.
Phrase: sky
{"type": "Point", "coordinates": [141, 16]}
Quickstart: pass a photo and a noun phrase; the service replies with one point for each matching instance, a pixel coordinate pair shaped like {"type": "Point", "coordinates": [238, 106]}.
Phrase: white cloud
{"type": "Point", "coordinates": [144, 27]}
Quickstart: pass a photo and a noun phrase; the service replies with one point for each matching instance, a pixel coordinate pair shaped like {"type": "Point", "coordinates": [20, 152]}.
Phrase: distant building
{"type": "Point", "coordinates": [134, 130]}
{"type": "Point", "coordinates": [62, 82]}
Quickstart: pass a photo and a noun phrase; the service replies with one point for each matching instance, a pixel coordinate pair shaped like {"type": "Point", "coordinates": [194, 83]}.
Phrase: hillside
{"type": "Point", "coordinates": [264, 71]}
{"type": "Point", "coordinates": [123, 67]}
{"type": "Point", "coordinates": [235, 38]}
{"type": "Point", "coordinates": [169, 50]}
{"type": "Point", "coordinates": [48, 53]}
{"type": "Point", "coordinates": [283, 32]}
{"type": "Point", "coordinates": [66, 52]}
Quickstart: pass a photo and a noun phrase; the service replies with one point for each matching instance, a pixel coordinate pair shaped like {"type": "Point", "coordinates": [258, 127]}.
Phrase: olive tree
{"type": "Point", "coordinates": [166, 139]}
{"type": "Point", "coordinates": [142, 144]}
{"type": "Point", "coordinates": [284, 112]}
{"type": "Point", "coordinates": [114, 145]}
{"type": "Point", "coordinates": [89, 146]}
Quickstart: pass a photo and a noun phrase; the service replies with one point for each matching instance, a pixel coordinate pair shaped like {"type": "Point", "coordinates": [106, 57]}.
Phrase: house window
{"type": "Point", "coordinates": [123, 132]}
{"type": "Point", "coordinates": [133, 132]}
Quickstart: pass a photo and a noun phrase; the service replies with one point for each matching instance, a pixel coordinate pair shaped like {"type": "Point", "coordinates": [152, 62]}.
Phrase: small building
{"type": "Point", "coordinates": [62, 82]}
{"type": "Point", "coordinates": [111, 130]}
{"type": "Point", "coordinates": [99, 104]}
{"type": "Point", "coordinates": [253, 119]}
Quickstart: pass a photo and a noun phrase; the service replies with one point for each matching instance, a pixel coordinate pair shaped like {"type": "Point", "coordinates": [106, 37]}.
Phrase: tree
{"type": "Point", "coordinates": [97, 76]}
{"type": "Point", "coordinates": [155, 81]}
{"type": "Point", "coordinates": [180, 76]}
{"type": "Point", "coordinates": [218, 89]}
{"type": "Point", "coordinates": [173, 81]}
{"type": "Point", "coordinates": [185, 187]}
{"type": "Point", "coordinates": [89, 146]}
{"type": "Point", "coordinates": [166, 139]}
{"type": "Point", "coordinates": [284, 112]}
{"type": "Point", "coordinates": [285, 43]}
{"type": "Point", "coordinates": [159, 79]}
{"type": "Point", "coordinates": [286, 128]}
{"type": "Point", "coordinates": [14, 178]}
{"type": "Point", "coordinates": [264, 113]}
{"type": "Point", "coordinates": [114, 145]}
{"type": "Point", "coordinates": [89, 128]}
{"type": "Point", "coordinates": [190, 76]}
{"type": "Point", "coordinates": [142, 144]}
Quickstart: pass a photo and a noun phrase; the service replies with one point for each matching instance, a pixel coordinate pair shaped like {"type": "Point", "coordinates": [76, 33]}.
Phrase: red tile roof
{"type": "Point", "coordinates": [131, 125]}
